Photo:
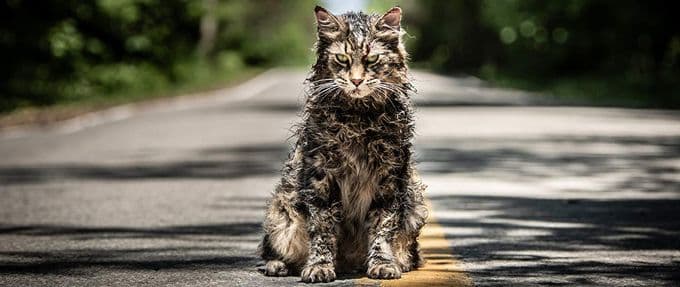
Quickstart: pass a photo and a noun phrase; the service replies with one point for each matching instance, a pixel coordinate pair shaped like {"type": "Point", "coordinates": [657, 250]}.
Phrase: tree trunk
{"type": "Point", "coordinates": [206, 44]}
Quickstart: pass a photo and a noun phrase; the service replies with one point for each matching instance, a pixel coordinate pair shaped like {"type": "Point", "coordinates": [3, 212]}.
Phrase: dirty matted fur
{"type": "Point", "coordinates": [349, 199]}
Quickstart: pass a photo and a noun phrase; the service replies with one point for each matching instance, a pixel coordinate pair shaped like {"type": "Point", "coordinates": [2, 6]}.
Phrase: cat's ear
{"type": "Point", "coordinates": [391, 20]}
{"type": "Point", "coordinates": [327, 24]}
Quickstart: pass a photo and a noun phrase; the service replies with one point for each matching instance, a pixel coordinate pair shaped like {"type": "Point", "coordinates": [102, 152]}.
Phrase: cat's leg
{"type": "Point", "coordinates": [382, 263]}
{"type": "Point", "coordinates": [394, 229]}
{"type": "Point", "coordinates": [320, 266]}
{"type": "Point", "coordinates": [284, 246]}
{"type": "Point", "coordinates": [415, 216]}
{"type": "Point", "coordinates": [275, 268]}
{"type": "Point", "coordinates": [406, 251]}
{"type": "Point", "coordinates": [323, 216]}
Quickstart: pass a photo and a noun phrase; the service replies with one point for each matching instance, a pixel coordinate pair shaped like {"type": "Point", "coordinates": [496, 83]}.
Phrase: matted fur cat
{"type": "Point", "coordinates": [350, 199]}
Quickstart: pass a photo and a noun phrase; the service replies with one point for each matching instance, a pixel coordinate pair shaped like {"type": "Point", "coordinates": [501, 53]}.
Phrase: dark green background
{"type": "Point", "coordinates": [621, 53]}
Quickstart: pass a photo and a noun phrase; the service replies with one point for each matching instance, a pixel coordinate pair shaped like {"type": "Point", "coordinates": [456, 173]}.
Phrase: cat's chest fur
{"type": "Point", "coordinates": [358, 183]}
{"type": "Point", "coordinates": [358, 151]}
{"type": "Point", "coordinates": [364, 161]}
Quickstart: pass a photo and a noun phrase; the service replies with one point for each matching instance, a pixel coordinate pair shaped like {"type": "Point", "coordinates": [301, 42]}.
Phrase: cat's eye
{"type": "Point", "coordinates": [342, 58]}
{"type": "Point", "coordinates": [372, 59]}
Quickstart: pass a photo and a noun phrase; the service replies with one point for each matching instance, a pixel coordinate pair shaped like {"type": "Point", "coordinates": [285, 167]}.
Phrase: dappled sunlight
{"type": "Point", "coordinates": [534, 223]}
{"type": "Point", "coordinates": [637, 166]}
{"type": "Point", "coordinates": [539, 205]}
{"type": "Point", "coordinates": [527, 238]}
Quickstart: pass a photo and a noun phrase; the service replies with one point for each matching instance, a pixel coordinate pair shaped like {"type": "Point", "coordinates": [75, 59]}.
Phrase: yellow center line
{"type": "Point", "coordinates": [441, 268]}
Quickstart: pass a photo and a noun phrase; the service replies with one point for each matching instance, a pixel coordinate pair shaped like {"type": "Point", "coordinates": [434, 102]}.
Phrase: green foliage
{"type": "Point", "coordinates": [58, 51]}
{"type": "Point", "coordinates": [448, 35]}
{"type": "Point", "coordinates": [611, 47]}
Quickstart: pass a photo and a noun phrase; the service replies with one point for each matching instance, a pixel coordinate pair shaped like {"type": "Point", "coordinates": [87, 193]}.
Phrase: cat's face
{"type": "Point", "coordinates": [360, 55]}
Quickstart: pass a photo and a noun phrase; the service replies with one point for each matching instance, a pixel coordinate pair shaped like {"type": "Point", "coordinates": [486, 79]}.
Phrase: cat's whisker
{"type": "Point", "coordinates": [321, 81]}
{"type": "Point", "coordinates": [328, 91]}
{"type": "Point", "coordinates": [331, 87]}
{"type": "Point", "coordinates": [322, 88]}
{"type": "Point", "coordinates": [388, 90]}
{"type": "Point", "coordinates": [397, 89]}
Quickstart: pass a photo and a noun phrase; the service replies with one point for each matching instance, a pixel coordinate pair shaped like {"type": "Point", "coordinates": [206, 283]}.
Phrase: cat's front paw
{"type": "Point", "coordinates": [318, 273]}
{"type": "Point", "coordinates": [275, 268]}
{"type": "Point", "coordinates": [384, 271]}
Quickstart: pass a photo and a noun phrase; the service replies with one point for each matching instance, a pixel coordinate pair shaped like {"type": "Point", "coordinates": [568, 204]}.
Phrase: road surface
{"type": "Point", "coordinates": [173, 194]}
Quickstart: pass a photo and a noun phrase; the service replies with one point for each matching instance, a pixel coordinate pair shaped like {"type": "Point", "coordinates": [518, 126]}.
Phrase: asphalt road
{"type": "Point", "coordinates": [173, 193]}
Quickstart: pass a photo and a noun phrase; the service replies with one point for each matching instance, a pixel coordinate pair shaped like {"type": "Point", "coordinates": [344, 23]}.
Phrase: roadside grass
{"type": "Point", "coordinates": [205, 80]}
{"type": "Point", "coordinates": [597, 90]}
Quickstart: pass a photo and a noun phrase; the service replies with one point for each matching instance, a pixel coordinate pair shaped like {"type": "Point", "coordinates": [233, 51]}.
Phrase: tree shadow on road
{"type": "Point", "coordinates": [641, 164]}
{"type": "Point", "coordinates": [566, 225]}
{"type": "Point", "coordinates": [563, 242]}
{"type": "Point", "coordinates": [191, 247]}
{"type": "Point", "coordinates": [214, 163]}
{"type": "Point", "coordinates": [83, 232]}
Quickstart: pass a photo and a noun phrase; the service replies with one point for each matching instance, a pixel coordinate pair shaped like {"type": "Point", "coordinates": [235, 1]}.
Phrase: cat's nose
{"type": "Point", "coordinates": [357, 82]}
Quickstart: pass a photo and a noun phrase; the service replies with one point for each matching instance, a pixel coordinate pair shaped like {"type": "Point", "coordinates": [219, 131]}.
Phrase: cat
{"type": "Point", "coordinates": [349, 199]}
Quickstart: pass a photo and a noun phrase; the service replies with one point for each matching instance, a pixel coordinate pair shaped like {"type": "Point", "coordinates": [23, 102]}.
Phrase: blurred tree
{"type": "Point", "coordinates": [577, 36]}
{"type": "Point", "coordinates": [623, 46]}
{"type": "Point", "coordinates": [449, 35]}
{"type": "Point", "coordinates": [57, 51]}
{"type": "Point", "coordinates": [208, 28]}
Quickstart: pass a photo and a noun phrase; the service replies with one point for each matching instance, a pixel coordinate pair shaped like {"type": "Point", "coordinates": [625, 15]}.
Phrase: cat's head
{"type": "Point", "coordinates": [360, 55]}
